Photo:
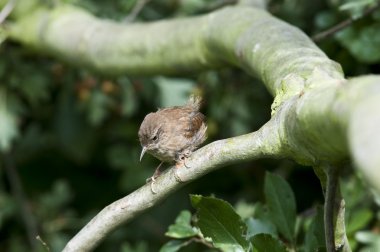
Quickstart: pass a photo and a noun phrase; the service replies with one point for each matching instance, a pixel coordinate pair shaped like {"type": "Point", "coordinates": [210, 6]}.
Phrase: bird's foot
{"type": "Point", "coordinates": [181, 161]}
{"type": "Point", "coordinates": [175, 170]}
{"type": "Point", "coordinates": [183, 157]}
{"type": "Point", "coordinates": [152, 179]}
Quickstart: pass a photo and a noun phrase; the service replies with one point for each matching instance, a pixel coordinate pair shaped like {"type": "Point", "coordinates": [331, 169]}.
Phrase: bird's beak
{"type": "Point", "coordinates": [142, 153]}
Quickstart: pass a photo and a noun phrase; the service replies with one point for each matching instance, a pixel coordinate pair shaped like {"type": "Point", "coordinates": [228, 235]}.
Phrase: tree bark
{"type": "Point", "coordinates": [317, 115]}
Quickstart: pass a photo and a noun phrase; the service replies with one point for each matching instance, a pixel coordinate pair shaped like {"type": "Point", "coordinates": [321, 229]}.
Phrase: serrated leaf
{"type": "Point", "coordinates": [315, 236]}
{"type": "Point", "coordinates": [219, 221]}
{"type": "Point", "coordinates": [257, 226]}
{"type": "Point", "coordinates": [282, 205]}
{"type": "Point", "coordinates": [267, 243]}
{"type": "Point", "coordinates": [173, 246]}
{"type": "Point", "coordinates": [182, 227]}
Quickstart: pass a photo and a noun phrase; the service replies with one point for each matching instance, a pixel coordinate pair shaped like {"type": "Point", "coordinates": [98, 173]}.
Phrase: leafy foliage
{"type": "Point", "coordinates": [71, 136]}
{"type": "Point", "coordinates": [217, 224]}
{"type": "Point", "coordinates": [217, 220]}
{"type": "Point", "coordinates": [266, 242]}
{"type": "Point", "coordinates": [281, 204]}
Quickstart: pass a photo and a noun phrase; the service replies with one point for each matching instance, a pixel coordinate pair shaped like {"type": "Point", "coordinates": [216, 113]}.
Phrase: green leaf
{"type": "Point", "coordinates": [267, 243]}
{"type": "Point", "coordinates": [357, 7]}
{"type": "Point", "coordinates": [182, 227]}
{"type": "Point", "coordinates": [362, 42]}
{"type": "Point", "coordinates": [369, 238]}
{"type": "Point", "coordinates": [173, 246]}
{"type": "Point", "coordinates": [326, 19]}
{"type": "Point", "coordinates": [244, 209]}
{"type": "Point", "coordinates": [258, 226]}
{"type": "Point", "coordinates": [218, 220]}
{"type": "Point", "coordinates": [315, 236]}
{"type": "Point", "coordinates": [282, 205]}
{"type": "Point", "coordinates": [359, 220]}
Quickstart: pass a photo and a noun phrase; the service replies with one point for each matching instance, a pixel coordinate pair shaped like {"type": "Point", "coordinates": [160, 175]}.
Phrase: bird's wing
{"type": "Point", "coordinates": [195, 122]}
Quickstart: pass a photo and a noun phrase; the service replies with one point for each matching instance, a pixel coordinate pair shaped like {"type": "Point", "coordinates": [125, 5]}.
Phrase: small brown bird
{"type": "Point", "coordinates": [172, 134]}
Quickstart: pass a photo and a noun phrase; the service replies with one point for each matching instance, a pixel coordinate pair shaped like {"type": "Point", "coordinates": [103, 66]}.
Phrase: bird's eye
{"type": "Point", "coordinates": [155, 138]}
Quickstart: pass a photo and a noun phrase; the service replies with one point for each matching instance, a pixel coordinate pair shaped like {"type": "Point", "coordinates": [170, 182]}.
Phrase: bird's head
{"type": "Point", "coordinates": [149, 134]}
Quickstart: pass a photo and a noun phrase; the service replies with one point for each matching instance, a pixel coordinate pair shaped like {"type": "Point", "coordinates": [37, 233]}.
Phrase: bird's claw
{"type": "Point", "coordinates": [152, 179]}
{"type": "Point", "coordinates": [176, 175]}
{"type": "Point", "coordinates": [183, 157]}
{"type": "Point", "coordinates": [184, 162]}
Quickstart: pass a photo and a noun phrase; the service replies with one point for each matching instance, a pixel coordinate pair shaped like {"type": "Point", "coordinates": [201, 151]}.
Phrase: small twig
{"type": "Point", "coordinates": [136, 10]}
{"type": "Point", "coordinates": [18, 193]}
{"type": "Point", "coordinates": [344, 24]}
{"type": "Point", "coordinates": [4, 13]}
{"type": "Point", "coordinates": [38, 238]}
{"type": "Point", "coordinates": [329, 211]}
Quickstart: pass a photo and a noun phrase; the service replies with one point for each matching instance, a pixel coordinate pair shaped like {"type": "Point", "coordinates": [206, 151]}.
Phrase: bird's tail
{"type": "Point", "coordinates": [195, 102]}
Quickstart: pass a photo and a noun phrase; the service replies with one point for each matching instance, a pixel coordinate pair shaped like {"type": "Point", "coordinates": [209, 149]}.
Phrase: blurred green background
{"type": "Point", "coordinates": [69, 136]}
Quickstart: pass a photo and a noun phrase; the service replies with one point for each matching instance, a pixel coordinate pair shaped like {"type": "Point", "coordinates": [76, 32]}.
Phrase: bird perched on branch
{"type": "Point", "coordinates": [172, 134]}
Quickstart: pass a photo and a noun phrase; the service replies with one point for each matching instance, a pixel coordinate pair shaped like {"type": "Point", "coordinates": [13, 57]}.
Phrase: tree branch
{"type": "Point", "coordinates": [317, 115]}
{"type": "Point", "coordinates": [329, 209]}
{"type": "Point", "coordinates": [239, 35]}
{"type": "Point", "coordinates": [282, 136]}
{"type": "Point", "coordinates": [344, 24]}
{"type": "Point", "coordinates": [263, 143]}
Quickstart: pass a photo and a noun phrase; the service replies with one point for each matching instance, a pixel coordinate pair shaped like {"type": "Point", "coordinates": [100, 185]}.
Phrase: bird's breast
{"type": "Point", "coordinates": [163, 154]}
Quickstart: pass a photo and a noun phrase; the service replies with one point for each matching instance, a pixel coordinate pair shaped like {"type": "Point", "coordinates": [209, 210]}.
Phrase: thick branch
{"type": "Point", "coordinates": [243, 36]}
{"type": "Point", "coordinates": [316, 112]}
{"type": "Point", "coordinates": [283, 136]}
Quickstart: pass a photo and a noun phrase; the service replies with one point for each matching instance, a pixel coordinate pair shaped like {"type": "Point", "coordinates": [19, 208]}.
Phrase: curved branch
{"type": "Point", "coordinates": [317, 117]}
{"type": "Point", "coordinates": [316, 114]}
{"type": "Point", "coordinates": [247, 37]}
{"type": "Point", "coordinates": [263, 143]}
